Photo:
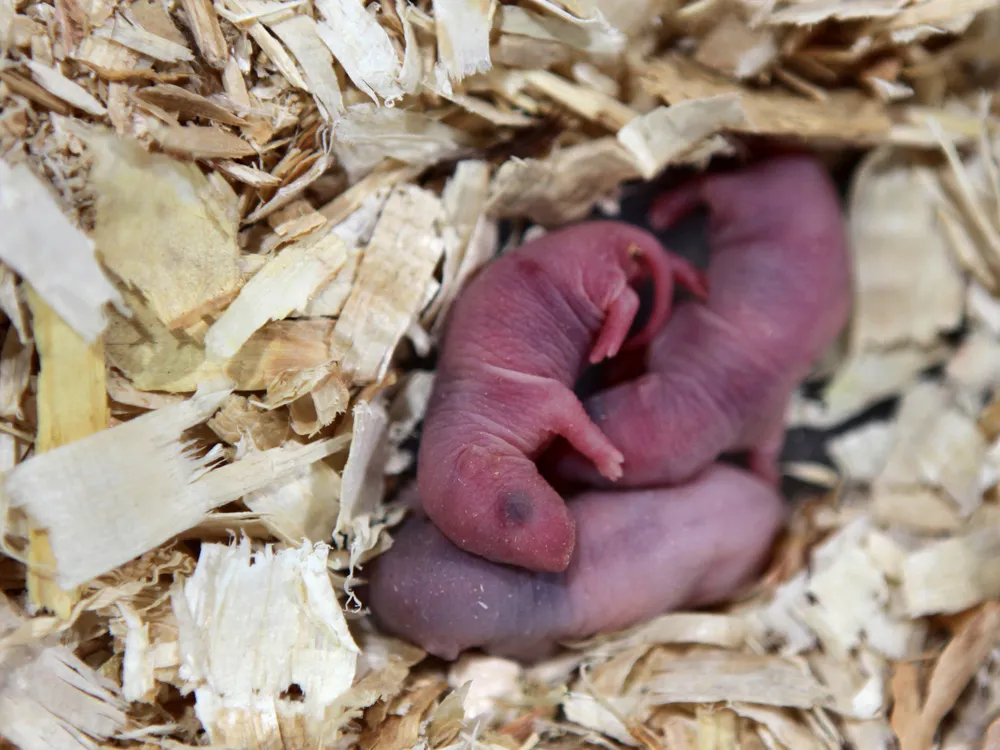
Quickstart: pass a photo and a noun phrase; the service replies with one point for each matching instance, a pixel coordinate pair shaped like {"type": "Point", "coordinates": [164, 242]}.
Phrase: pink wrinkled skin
{"type": "Point", "coordinates": [638, 553]}
{"type": "Point", "coordinates": [679, 529]}
{"type": "Point", "coordinates": [518, 339]}
{"type": "Point", "coordinates": [717, 379]}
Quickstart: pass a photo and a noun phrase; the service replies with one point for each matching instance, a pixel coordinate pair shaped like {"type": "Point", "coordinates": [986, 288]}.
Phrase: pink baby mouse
{"type": "Point", "coordinates": [517, 340]}
{"type": "Point", "coordinates": [718, 377]}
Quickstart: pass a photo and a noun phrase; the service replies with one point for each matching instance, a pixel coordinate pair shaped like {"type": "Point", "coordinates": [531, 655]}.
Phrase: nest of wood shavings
{"type": "Point", "coordinates": [229, 230]}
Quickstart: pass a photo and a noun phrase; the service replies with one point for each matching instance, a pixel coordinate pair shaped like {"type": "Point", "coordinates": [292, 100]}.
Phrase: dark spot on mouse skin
{"type": "Point", "coordinates": [530, 267]}
{"type": "Point", "coordinates": [516, 508]}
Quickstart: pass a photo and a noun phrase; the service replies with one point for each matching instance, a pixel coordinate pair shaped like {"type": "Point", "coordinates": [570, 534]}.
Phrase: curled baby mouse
{"type": "Point", "coordinates": [517, 340]}
{"type": "Point", "coordinates": [638, 553]}
{"type": "Point", "coordinates": [717, 378]}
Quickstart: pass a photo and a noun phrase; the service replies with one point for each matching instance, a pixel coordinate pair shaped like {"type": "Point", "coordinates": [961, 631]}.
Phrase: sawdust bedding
{"type": "Point", "coordinates": [229, 229]}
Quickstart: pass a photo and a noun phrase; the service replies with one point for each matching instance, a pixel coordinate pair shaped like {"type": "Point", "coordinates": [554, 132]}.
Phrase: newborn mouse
{"type": "Point", "coordinates": [718, 377]}
{"type": "Point", "coordinates": [517, 340]}
{"type": "Point", "coordinates": [638, 553]}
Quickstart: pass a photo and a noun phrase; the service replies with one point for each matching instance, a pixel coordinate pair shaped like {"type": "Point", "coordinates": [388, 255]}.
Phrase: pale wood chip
{"type": "Point", "coordinates": [586, 102]}
{"type": "Point", "coordinates": [204, 24]}
{"type": "Point", "coordinates": [41, 244]}
{"type": "Point", "coordinates": [50, 698]}
{"type": "Point", "coordinates": [163, 229]}
{"type": "Point", "coordinates": [284, 284]}
{"type": "Point", "coordinates": [563, 187]}
{"type": "Point", "coordinates": [144, 42]}
{"type": "Point", "coordinates": [362, 46]}
{"type": "Point", "coordinates": [363, 483]}
{"type": "Point", "coordinates": [659, 138]}
{"type": "Point", "coordinates": [765, 680]}
{"type": "Point", "coordinates": [72, 404]}
{"type": "Point", "coordinates": [952, 574]}
{"type": "Point", "coordinates": [369, 134]}
{"type": "Point", "coordinates": [301, 507]}
{"type": "Point", "coordinates": [592, 38]}
{"type": "Point", "coordinates": [956, 666]}
{"type": "Point", "coordinates": [59, 85]}
{"type": "Point", "coordinates": [395, 271]}
{"type": "Point", "coordinates": [33, 92]}
{"type": "Point", "coordinates": [176, 99]}
{"type": "Point", "coordinates": [301, 35]}
{"type": "Point", "coordinates": [734, 48]}
{"type": "Point", "coordinates": [201, 142]}
{"type": "Point", "coordinates": [938, 446]}
{"type": "Point", "coordinates": [112, 496]}
{"type": "Point", "coordinates": [248, 175]}
{"type": "Point", "coordinates": [280, 606]}
{"type": "Point", "coordinates": [845, 116]}
{"type": "Point", "coordinates": [463, 35]}
{"type": "Point", "coordinates": [813, 12]}
{"type": "Point", "coordinates": [907, 287]}
{"type": "Point", "coordinates": [937, 13]}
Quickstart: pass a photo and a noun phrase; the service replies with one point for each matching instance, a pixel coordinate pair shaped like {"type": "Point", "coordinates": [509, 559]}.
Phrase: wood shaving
{"type": "Point", "coordinates": [297, 631]}
{"type": "Point", "coordinates": [38, 238]}
{"type": "Point", "coordinates": [392, 279]}
{"type": "Point", "coordinates": [155, 214]}
{"type": "Point", "coordinates": [284, 284]}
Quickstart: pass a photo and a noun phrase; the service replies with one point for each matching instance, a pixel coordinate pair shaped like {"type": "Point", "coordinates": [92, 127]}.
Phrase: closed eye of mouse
{"type": "Point", "coordinates": [517, 340]}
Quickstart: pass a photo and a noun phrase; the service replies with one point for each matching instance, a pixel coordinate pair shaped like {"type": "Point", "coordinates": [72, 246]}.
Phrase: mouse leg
{"type": "Point", "coordinates": [555, 410]}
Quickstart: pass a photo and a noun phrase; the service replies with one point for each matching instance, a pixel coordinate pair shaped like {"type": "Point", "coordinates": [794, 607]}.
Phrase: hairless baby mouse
{"type": "Point", "coordinates": [714, 380]}
{"type": "Point", "coordinates": [718, 376]}
{"type": "Point", "coordinates": [638, 553]}
{"type": "Point", "coordinates": [517, 340]}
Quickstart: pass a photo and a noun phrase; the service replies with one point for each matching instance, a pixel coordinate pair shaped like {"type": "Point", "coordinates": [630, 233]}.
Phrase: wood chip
{"type": "Point", "coordinates": [72, 404]}
{"type": "Point", "coordinates": [59, 85]}
{"type": "Point", "coordinates": [844, 116]}
{"type": "Point", "coordinates": [283, 608]}
{"type": "Point", "coordinates": [727, 677]}
{"type": "Point", "coordinates": [565, 186]}
{"type": "Point", "coordinates": [41, 244]}
{"type": "Point", "coordinates": [463, 35]}
{"type": "Point", "coordinates": [204, 24]}
{"type": "Point", "coordinates": [51, 698]}
{"type": "Point", "coordinates": [144, 42]}
{"type": "Point", "coordinates": [391, 285]}
{"type": "Point", "coordinates": [659, 138]}
{"type": "Point", "coordinates": [908, 287]}
{"type": "Point", "coordinates": [176, 99]}
{"type": "Point", "coordinates": [301, 35]}
{"type": "Point", "coordinates": [369, 134]}
{"type": "Point", "coordinates": [362, 46]}
{"type": "Point", "coordinates": [952, 574]}
{"type": "Point", "coordinates": [201, 142]}
{"type": "Point", "coordinates": [284, 284]}
{"type": "Point", "coordinates": [164, 230]}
